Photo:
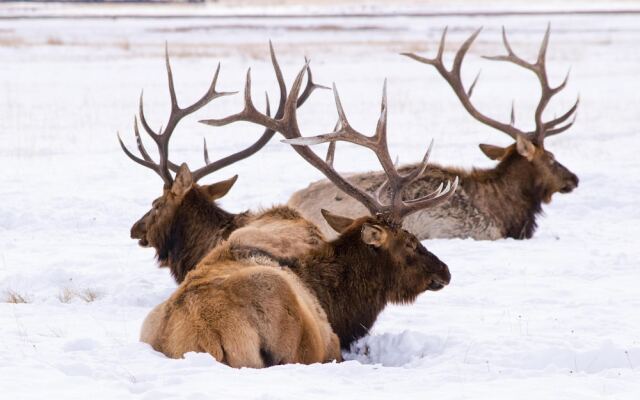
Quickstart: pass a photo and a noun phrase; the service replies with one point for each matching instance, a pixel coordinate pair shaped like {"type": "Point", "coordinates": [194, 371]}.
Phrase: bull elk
{"type": "Point", "coordinates": [373, 261]}
{"type": "Point", "coordinates": [185, 223]}
{"type": "Point", "coordinates": [500, 202]}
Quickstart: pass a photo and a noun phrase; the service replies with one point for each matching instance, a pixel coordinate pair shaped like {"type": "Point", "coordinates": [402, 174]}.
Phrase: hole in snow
{"type": "Point", "coordinates": [395, 349]}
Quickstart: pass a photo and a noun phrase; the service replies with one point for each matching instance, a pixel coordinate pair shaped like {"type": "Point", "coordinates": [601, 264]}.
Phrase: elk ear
{"type": "Point", "coordinates": [493, 152]}
{"type": "Point", "coordinates": [525, 148]}
{"type": "Point", "coordinates": [220, 189]}
{"type": "Point", "coordinates": [374, 235]}
{"type": "Point", "coordinates": [182, 181]}
{"type": "Point", "coordinates": [336, 222]}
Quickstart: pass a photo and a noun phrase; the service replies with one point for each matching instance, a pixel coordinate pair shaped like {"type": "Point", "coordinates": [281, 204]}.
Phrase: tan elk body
{"type": "Point", "coordinates": [245, 310]}
{"type": "Point", "coordinates": [489, 204]}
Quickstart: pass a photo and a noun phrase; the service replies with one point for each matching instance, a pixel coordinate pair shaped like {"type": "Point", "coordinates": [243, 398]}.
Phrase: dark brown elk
{"type": "Point", "coordinates": [373, 261]}
{"type": "Point", "coordinates": [185, 223]}
{"type": "Point", "coordinates": [490, 204]}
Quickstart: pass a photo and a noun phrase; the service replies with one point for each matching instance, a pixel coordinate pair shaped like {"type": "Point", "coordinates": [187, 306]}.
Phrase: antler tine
{"type": "Point", "coordinates": [331, 151]}
{"type": "Point", "coordinates": [542, 53]}
{"type": "Point", "coordinates": [561, 129]}
{"type": "Point", "coordinates": [139, 143]}
{"type": "Point", "coordinates": [423, 166]}
{"type": "Point", "coordinates": [473, 84]}
{"type": "Point", "coordinates": [512, 117]}
{"type": "Point", "coordinates": [206, 152]}
{"type": "Point", "coordinates": [311, 85]}
{"type": "Point", "coordinates": [172, 89]}
{"type": "Point", "coordinates": [428, 201]}
{"type": "Point", "coordinates": [556, 121]}
{"type": "Point", "coordinates": [459, 58]}
{"type": "Point", "coordinates": [143, 119]}
{"type": "Point", "coordinates": [138, 160]}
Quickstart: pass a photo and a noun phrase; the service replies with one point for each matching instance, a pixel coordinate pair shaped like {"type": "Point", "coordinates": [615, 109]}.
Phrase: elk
{"type": "Point", "coordinates": [373, 261]}
{"type": "Point", "coordinates": [490, 204]}
{"type": "Point", "coordinates": [185, 223]}
{"type": "Point", "coordinates": [244, 309]}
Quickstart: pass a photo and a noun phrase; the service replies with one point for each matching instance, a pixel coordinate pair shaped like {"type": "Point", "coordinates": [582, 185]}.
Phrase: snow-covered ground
{"type": "Point", "coordinates": [553, 317]}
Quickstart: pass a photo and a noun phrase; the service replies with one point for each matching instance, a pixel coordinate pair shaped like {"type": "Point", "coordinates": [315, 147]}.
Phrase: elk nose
{"type": "Point", "coordinates": [441, 278]}
{"type": "Point", "coordinates": [444, 276]}
{"type": "Point", "coordinates": [571, 184]}
{"type": "Point", "coordinates": [137, 230]}
{"type": "Point", "coordinates": [575, 181]}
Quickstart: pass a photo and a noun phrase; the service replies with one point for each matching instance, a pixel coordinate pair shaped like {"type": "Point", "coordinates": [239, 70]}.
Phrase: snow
{"type": "Point", "coordinates": [552, 317]}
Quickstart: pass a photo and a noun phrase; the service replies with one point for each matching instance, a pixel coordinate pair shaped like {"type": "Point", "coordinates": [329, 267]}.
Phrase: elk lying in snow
{"type": "Point", "coordinates": [490, 204]}
{"type": "Point", "coordinates": [244, 310]}
{"type": "Point", "coordinates": [373, 261]}
{"type": "Point", "coordinates": [185, 223]}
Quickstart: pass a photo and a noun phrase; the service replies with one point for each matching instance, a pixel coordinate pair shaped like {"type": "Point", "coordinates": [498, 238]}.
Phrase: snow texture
{"type": "Point", "coordinates": [552, 317]}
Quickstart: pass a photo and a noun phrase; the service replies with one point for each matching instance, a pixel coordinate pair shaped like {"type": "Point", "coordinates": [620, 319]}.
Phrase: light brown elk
{"type": "Point", "coordinates": [245, 310]}
{"type": "Point", "coordinates": [185, 223]}
{"type": "Point", "coordinates": [373, 261]}
{"type": "Point", "coordinates": [500, 202]}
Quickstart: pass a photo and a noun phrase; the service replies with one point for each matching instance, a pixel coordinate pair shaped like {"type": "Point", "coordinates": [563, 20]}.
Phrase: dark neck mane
{"type": "Point", "coordinates": [517, 197]}
{"type": "Point", "coordinates": [351, 296]}
{"type": "Point", "coordinates": [197, 227]}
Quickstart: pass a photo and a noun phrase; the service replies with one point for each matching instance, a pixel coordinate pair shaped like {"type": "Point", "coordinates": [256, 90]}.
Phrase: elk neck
{"type": "Point", "coordinates": [510, 193]}
{"type": "Point", "coordinates": [351, 281]}
{"type": "Point", "coordinates": [198, 226]}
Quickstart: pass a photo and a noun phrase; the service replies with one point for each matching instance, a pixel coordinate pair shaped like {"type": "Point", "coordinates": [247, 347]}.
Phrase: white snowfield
{"type": "Point", "coordinates": [555, 317]}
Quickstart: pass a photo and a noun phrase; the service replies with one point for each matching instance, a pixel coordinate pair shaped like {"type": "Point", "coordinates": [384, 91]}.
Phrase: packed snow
{"type": "Point", "coordinates": [552, 317]}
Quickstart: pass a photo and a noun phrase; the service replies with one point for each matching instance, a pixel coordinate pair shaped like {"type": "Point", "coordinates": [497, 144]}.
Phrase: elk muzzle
{"type": "Point", "coordinates": [440, 276]}
{"type": "Point", "coordinates": [570, 184]}
{"type": "Point", "coordinates": [139, 231]}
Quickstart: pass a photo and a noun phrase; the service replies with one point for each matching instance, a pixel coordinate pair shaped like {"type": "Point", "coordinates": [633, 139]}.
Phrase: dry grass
{"type": "Point", "coordinates": [54, 41]}
{"type": "Point", "coordinates": [14, 297]}
{"type": "Point", "coordinates": [89, 295]}
{"type": "Point", "coordinates": [66, 295]}
{"type": "Point", "coordinates": [11, 41]}
{"type": "Point", "coordinates": [123, 45]}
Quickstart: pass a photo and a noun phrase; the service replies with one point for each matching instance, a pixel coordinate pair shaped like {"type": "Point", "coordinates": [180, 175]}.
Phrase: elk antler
{"type": "Point", "coordinates": [176, 115]}
{"type": "Point", "coordinates": [287, 125]}
{"type": "Point", "coordinates": [543, 129]}
{"type": "Point", "coordinates": [161, 138]}
{"type": "Point", "coordinates": [397, 209]}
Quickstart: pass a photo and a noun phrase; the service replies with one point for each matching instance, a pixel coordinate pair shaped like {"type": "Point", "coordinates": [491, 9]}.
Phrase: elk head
{"type": "Point", "coordinates": [379, 238]}
{"type": "Point", "coordinates": [539, 165]}
{"type": "Point", "coordinates": [184, 199]}
{"type": "Point", "coordinates": [415, 269]}
{"type": "Point", "coordinates": [186, 205]}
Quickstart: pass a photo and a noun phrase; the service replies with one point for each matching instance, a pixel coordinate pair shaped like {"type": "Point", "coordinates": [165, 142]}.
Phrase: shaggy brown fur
{"type": "Point", "coordinates": [489, 204]}
{"type": "Point", "coordinates": [369, 265]}
{"type": "Point", "coordinates": [245, 311]}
